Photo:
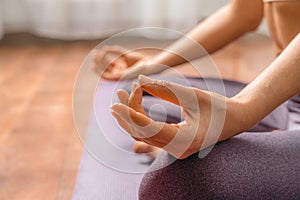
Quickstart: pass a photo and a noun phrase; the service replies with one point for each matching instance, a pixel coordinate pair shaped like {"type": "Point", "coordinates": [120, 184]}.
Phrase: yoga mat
{"type": "Point", "coordinates": [108, 170]}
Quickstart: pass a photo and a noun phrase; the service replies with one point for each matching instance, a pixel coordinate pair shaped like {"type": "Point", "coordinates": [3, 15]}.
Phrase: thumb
{"type": "Point", "coordinates": [135, 99]}
{"type": "Point", "coordinates": [172, 92]}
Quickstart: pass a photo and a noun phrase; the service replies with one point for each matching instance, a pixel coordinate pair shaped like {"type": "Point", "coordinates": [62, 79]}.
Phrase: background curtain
{"type": "Point", "coordinates": [1, 20]}
{"type": "Point", "coordinates": [88, 19]}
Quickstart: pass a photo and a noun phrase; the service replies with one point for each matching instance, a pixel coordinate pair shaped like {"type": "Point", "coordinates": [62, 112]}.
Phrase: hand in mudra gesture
{"type": "Point", "coordinates": [111, 62]}
{"type": "Point", "coordinates": [208, 117]}
{"type": "Point", "coordinates": [118, 63]}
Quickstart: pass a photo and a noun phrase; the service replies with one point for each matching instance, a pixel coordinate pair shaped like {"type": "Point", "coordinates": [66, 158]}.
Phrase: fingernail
{"type": "Point", "coordinates": [111, 107]}
{"type": "Point", "coordinates": [144, 79]}
{"type": "Point", "coordinates": [119, 92]}
{"type": "Point", "coordinates": [123, 96]}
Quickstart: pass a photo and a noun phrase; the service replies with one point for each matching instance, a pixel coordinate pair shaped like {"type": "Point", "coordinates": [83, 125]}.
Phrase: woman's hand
{"type": "Point", "coordinates": [136, 104]}
{"type": "Point", "coordinates": [208, 118]}
{"type": "Point", "coordinates": [115, 63]}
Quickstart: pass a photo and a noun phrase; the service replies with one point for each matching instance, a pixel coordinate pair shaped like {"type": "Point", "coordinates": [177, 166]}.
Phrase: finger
{"type": "Point", "coordinates": [123, 96]}
{"type": "Point", "coordinates": [156, 131]}
{"type": "Point", "coordinates": [130, 115]}
{"type": "Point", "coordinates": [172, 92]}
{"type": "Point", "coordinates": [133, 86]}
{"type": "Point", "coordinates": [109, 62]}
{"type": "Point", "coordinates": [135, 99]}
{"type": "Point", "coordinates": [119, 65]}
{"type": "Point", "coordinates": [142, 147]}
{"type": "Point", "coordinates": [114, 71]}
{"type": "Point", "coordinates": [111, 76]}
{"type": "Point", "coordinates": [128, 55]}
{"type": "Point", "coordinates": [104, 60]}
{"type": "Point", "coordinates": [100, 59]}
{"type": "Point", "coordinates": [125, 126]}
{"type": "Point", "coordinates": [168, 138]}
{"type": "Point", "coordinates": [133, 57]}
{"type": "Point", "coordinates": [114, 49]}
{"type": "Point", "coordinates": [97, 56]}
{"type": "Point", "coordinates": [101, 69]}
{"type": "Point", "coordinates": [123, 123]}
{"type": "Point", "coordinates": [151, 141]}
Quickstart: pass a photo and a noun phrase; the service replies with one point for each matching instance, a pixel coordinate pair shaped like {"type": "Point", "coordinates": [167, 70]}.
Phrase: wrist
{"type": "Point", "coordinates": [168, 59]}
{"type": "Point", "coordinates": [247, 112]}
{"type": "Point", "coordinates": [238, 118]}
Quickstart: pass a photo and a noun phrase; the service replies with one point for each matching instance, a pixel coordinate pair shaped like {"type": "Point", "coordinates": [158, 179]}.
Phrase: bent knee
{"type": "Point", "coordinates": [251, 165]}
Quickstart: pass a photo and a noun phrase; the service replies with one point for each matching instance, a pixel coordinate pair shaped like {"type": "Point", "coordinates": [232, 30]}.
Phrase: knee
{"type": "Point", "coordinates": [248, 166]}
{"type": "Point", "coordinates": [160, 182]}
{"type": "Point", "coordinates": [181, 179]}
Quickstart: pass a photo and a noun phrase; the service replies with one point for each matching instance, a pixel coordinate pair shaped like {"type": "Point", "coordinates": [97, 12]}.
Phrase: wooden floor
{"type": "Point", "coordinates": [39, 147]}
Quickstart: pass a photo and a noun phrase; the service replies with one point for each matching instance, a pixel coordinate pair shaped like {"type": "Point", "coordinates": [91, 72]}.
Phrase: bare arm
{"type": "Point", "coordinates": [279, 82]}
{"type": "Point", "coordinates": [221, 28]}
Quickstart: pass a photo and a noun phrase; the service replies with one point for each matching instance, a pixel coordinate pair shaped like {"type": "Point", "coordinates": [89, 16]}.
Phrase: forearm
{"type": "Point", "coordinates": [279, 82]}
{"type": "Point", "coordinates": [221, 28]}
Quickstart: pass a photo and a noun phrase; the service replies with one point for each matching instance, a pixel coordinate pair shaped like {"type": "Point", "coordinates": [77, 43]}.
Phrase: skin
{"type": "Point", "coordinates": [224, 26]}
{"type": "Point", "coordinates": [112, 61]}
{"type": "Point", "coordinates": [270, 89]}
{"type": "Point", "coordinates": [221, 28]}
{"type": "Point", "coordinates": [237, 18]}
{"type": "Point", "coordinates": [283, 22]}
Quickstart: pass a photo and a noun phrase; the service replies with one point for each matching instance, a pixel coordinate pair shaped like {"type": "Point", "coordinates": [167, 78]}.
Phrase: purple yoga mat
{"type": "Point", "coordinates": [108, 169]}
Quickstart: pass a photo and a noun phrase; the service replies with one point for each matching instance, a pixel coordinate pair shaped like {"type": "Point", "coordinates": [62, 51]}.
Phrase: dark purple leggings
{"type": "Point", "coordinates": [258, 164]}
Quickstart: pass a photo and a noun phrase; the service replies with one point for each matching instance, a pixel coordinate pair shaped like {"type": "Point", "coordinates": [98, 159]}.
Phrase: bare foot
{"type": "Point", "coordinates": [151, 151]}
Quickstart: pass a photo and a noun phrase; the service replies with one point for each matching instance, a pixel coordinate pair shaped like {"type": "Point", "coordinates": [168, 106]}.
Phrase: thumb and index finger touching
{"type": "Point", "coordinates": [132, 110]}
{"type": "Point", "coordinates": [129, 56]}
{"type": "Point", "coordinates": [172, 92]}
{"type": "Point", "coordinates": [175, 93]}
